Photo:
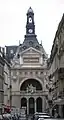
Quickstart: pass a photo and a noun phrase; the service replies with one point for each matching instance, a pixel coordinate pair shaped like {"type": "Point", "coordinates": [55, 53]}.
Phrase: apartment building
{"type": "Point", "coordinates": [1, 79]}
{"type": "Point", "coordinates": [56, 71]}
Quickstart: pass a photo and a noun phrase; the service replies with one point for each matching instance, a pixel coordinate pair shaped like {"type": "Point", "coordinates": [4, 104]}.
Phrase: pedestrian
{"type": "Point", "coordinates": [58, 116]}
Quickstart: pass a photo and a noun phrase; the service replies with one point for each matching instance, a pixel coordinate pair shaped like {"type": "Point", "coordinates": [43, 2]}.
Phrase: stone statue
{"type": "Point", "coordinates": [30, 88]}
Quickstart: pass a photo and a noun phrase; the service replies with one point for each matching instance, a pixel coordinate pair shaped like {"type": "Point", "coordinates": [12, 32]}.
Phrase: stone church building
{"type": "Point", "coordinates": [28, 71]}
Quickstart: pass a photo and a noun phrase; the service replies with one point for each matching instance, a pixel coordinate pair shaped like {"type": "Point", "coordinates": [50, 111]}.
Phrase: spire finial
{"type": "Point", "coordinates": [30, 10]}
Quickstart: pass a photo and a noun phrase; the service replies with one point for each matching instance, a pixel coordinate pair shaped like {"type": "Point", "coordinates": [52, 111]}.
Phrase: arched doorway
{"type": "Point", "coordinates": [31, 106]}
{"type": "Point", "coordinates": [39, 104]}
{"type": "Point", "coordinates": [35, 83]}
{"type": "Point", "coordinates": [31, 86]}
{"type": "Point", "coordinates": [24, 103]}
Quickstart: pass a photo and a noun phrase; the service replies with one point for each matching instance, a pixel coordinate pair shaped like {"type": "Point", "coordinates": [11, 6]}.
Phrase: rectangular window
{"type": "Point", "coordinates": [31, 60]}
{"type": "Point", "coordinates": [1, 69]}
{"type": "Point", "coordinates": [1, 84]}
{"type": "Point", "coordinates": [1, 97]}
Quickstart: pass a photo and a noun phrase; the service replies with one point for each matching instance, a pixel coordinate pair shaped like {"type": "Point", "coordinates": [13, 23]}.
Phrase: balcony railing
{"type": "Point", "coordinates": [61, 94]}
{"type": "Point", "coordinates": [58, 95]}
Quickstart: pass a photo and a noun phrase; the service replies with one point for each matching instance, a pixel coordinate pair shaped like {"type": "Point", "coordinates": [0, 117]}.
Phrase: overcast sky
{"type": "Point", "coordinates": [47, 15]}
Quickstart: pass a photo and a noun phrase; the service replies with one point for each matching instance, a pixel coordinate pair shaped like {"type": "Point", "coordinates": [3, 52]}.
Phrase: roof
{"type": "Point", "coordinates": [10, 51]}
{"type": "Point", "coordinates": [30, 10]}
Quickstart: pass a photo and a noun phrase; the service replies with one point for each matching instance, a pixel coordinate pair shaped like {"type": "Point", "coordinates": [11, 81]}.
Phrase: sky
{"type": "Point", "coordinates": [47, 15]}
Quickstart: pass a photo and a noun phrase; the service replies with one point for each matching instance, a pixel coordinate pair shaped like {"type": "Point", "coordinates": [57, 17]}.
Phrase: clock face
{"type": "Point", "coordinates": [30, 20]}
{"type": "Point", "coordinates": [30, 30]}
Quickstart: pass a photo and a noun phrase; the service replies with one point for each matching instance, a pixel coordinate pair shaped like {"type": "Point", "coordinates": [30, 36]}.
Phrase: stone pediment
{"type": "Point", "coordinates": [29, 57]}
{"type": "Point", "coordinates": [31, 51]}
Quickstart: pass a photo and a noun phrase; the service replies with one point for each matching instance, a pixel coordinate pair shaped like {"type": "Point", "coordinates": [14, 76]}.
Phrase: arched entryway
{"type": "Point", "coordinates": [31, 89]}
{"type": "Point", "coordinates": [39, 104]}
{"type": "Point", "coordinates": [35, 83]}
{"type": "Point", "coordinates": [31, 106]}
{"type": "Point", "coordinates": [24, 104]}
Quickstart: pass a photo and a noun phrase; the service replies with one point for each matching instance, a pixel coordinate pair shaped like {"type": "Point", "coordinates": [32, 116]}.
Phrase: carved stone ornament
{"type": "Point", "coordinates": [30, 88]}
{"type": "Point", "coordinates": [14, 78]}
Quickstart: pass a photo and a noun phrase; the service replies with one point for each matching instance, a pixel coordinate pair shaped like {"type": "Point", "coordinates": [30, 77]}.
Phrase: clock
{"type": "Point", "coordinates": [30, 20]}
{"type": "Point", "coordinates": [30, 30]}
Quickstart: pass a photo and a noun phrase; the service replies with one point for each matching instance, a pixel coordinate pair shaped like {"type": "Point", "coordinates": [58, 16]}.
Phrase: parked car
{"type": "Point", "coordinates": [40, 115]}
{"type": "Point", "coordinates": [35, 116]}
{"type": "Point", "coordinates": [40, 118]}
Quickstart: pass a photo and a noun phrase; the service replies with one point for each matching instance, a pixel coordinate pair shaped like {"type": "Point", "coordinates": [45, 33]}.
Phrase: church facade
{"type": "Point", "coordinates": [28, 71]}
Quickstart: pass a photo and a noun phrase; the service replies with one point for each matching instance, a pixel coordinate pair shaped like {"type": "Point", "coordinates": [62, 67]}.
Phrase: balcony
{"type": "Point", "coordinates": [61, 94]}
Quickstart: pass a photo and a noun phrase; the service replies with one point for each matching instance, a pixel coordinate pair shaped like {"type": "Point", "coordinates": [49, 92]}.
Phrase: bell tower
{"type": "Point", "coordinates": [30, 26]}
{"type": "Point", "coordinates": [30, 37]}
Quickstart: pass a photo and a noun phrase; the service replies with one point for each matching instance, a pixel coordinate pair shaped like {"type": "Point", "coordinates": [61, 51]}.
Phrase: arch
{"type": "Point", "coordinates": [39, 104]}
{"type": "Point", "coordinates": [40, 81]}
{"type": "Point", "coordinates": [34, 83]}
{"type": "Point", "coordinates": [31, 105]}
{"type": "Point", "coordinates": [23, 102]}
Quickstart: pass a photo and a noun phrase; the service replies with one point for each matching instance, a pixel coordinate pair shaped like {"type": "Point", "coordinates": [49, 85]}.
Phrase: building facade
{"type": "Point", "coordinates": [29, 71]}
{"type": "Point", "coordinates": [56, 71]}
{"type": "Point", "coordinates": [7, 86]}
{"type": "Point", "coordinates": [1, 79]}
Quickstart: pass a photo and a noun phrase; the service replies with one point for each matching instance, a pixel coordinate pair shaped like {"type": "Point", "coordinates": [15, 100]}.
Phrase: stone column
{"type": "Point", "coordinates": [43, 104]}
{"type": "Point", "coordinates": [35, 104]}
{"type": "Point", "coordinates": [27, 106]}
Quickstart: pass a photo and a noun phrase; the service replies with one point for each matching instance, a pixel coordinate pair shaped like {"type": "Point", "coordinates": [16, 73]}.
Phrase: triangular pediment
{"type": "Point", "coordinates": [31, 50]}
